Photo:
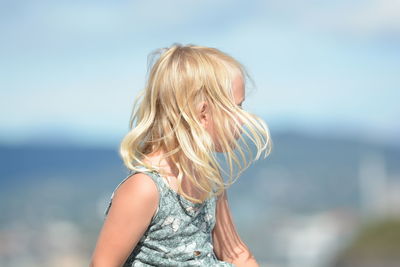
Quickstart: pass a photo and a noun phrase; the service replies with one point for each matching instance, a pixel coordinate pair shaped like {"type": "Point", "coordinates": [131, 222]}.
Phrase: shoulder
{"type": "Point", "coordinates": [133, 206]}
{"type": "Point", "coordinates": [138, 187]}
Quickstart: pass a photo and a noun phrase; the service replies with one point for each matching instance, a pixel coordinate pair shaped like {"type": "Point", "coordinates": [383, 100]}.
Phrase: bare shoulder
{"type": "Point", "coordinates": [138, 187]}
{"type": "Point", "coordinates": [134, 203]}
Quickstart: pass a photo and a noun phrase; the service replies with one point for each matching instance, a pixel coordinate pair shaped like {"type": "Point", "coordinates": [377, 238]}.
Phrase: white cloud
{"type": "Point", "coordinates": [371, 18]}
{"type": "Point", "coordinates": [99, 17]}
{"type": "Point", "coordinates": [360, 18]}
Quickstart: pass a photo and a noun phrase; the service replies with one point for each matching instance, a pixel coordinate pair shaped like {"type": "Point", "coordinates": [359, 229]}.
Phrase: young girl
{"type": "Point", "coordinates": [172, 209]}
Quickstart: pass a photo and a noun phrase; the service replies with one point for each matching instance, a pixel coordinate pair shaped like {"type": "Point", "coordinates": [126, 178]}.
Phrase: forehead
{"type": "Point", "coordinates": [238, 88]}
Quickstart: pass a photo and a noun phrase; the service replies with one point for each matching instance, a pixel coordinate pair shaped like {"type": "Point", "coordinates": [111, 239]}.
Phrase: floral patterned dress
{"type": "Point", "coordinates": [179, 233]}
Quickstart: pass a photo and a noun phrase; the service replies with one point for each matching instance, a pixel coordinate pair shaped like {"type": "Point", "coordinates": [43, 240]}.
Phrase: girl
{"type": "Point", "coordinates": [172, 209]}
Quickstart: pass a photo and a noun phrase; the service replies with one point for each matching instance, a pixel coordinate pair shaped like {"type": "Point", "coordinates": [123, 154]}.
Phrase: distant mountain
{"type": "Point", "coordinates": [307, 174]}
{"type": "Point", "coordinates": [302, 173]}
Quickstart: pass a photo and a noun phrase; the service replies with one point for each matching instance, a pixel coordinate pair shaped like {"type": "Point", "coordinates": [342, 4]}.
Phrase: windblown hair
{"type": "Point", "coordinates": [179, 78]}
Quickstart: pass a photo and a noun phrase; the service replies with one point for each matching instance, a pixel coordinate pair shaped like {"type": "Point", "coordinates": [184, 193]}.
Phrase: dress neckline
{"type": "Point", "coordinates": [164, 180]}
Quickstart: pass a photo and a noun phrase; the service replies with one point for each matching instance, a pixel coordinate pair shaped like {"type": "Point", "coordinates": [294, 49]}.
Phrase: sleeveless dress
{"type": "Point", "coordinates": [180, 232]}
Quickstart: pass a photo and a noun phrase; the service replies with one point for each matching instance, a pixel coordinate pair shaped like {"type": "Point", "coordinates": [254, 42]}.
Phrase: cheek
{"type": "Point", "coordinates": [210, 128]}
{"type": "Point", "coordinates": [211, 131]}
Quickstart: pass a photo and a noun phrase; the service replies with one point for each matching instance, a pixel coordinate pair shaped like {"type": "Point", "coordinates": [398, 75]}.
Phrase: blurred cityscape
{"type": "Point", "coordinates": [314, 202]}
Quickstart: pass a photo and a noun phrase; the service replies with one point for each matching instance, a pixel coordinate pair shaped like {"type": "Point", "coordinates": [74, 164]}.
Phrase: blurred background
{"type": "Point", "coordinates": [327, 84]}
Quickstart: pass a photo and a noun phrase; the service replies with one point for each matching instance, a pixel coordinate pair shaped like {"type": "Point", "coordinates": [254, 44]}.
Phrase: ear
{"type": "Point", "coordinates": [203, 113]}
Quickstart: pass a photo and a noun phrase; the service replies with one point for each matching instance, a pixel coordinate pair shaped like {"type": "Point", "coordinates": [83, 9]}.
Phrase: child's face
{"type": "Point", "coordinates": [239, 96]}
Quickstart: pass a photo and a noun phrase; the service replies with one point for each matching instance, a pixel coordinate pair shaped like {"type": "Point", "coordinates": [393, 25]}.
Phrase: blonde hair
{"type": "Point", "coordinates": [179, 78]}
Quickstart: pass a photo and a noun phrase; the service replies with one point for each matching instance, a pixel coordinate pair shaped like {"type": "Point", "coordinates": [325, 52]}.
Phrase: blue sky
{"type": "Point", "coordinates": [73, 68]}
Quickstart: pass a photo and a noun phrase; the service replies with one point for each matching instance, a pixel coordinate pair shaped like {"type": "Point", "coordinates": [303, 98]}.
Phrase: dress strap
{"type": "Point", "coordinates": [153, 175]}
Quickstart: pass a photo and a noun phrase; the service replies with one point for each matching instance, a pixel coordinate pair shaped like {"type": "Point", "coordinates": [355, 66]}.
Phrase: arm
{"type": "Point", "coordinates": [227, 244]}
{"type": "Point", "coordinates": [133, 205]}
